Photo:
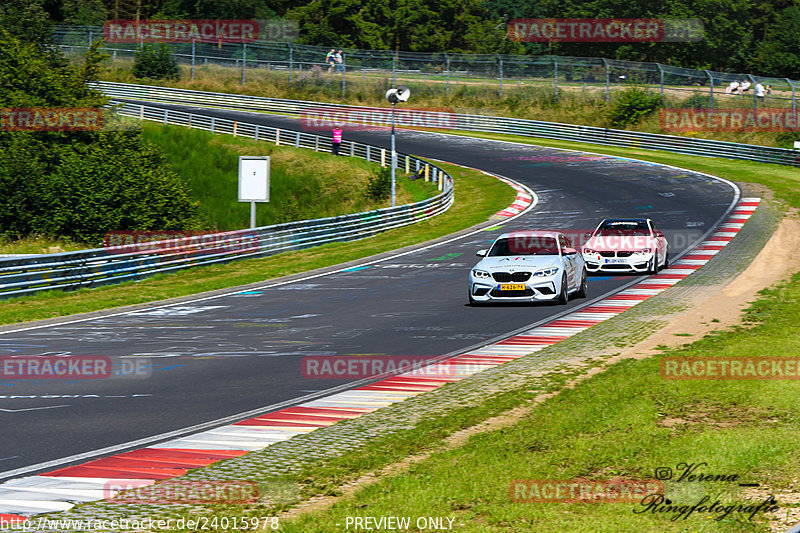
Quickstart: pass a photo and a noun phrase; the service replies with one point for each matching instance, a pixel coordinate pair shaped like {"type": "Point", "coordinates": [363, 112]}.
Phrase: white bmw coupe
{"type": "Point", "coordinates": [528, 266]}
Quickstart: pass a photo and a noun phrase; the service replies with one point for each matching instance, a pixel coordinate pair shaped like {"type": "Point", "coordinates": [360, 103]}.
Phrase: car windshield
{"type": "Point", "coordinates": [524, 245]}
{"type": "Point", "coordinates": [623, 229]}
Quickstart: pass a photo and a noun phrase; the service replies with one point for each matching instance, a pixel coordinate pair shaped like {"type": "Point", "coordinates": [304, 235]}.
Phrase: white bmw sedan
{"type": "Point", "coordinates": [528, 266]}
{"type": "Point", "coordinates": [626, 245]}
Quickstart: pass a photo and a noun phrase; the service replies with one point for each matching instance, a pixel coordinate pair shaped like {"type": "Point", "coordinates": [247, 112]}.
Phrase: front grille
{"type": "Point", "coordinates": [607, 254]}
{"type": "Point", "coordinates": [508, 277]}
{"type": "Point", "coordinates": [481, 291]}
{"type": "Point", "coordinates": [511, 294]}
{"type": "Point", "coordinates": [624, 254]}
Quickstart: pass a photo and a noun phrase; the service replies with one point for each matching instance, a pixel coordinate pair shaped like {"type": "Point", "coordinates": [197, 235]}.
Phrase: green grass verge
{"type": "Point", "coordinates": [303, 184]}
{"type": "Point", "coordinates": [736, 427]}
{"type": "Point", "coordinates": [478, 197]}
{"type": "Point", "coordinates": [624, 422]}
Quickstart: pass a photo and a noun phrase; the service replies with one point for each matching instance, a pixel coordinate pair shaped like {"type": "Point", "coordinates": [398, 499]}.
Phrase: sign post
{"type": "Point", "coordinates": [253, 182]}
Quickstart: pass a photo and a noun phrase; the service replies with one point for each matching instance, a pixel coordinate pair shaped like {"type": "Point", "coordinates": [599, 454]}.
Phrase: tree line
{"type": "Point", "coordinates": [756, 36]}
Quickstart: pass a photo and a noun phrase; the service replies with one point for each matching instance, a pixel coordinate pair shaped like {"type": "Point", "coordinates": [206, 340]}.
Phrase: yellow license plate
{"type": "Point", "coordinates": [512, 287]}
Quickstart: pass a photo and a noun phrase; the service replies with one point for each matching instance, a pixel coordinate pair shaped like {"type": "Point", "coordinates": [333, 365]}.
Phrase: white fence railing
{"type": "Point", "coordinates": [480, 123]}
{"type": "Point", "coordinates": [114, 264]}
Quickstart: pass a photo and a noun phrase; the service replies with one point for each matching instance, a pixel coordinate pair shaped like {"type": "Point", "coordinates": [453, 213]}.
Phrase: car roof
{"type": "Point", "coordinates": [625, 220]}
{"type": "Point", "coordinates": [531, 233]}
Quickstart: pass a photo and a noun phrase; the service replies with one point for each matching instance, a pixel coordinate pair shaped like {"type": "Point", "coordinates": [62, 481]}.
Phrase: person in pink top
{"type": "Point", "coordinates": [337, 140]}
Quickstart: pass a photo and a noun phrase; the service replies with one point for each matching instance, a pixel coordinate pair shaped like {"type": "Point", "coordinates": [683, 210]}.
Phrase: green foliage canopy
{"type": "Point", "coordinates": [77, 184]}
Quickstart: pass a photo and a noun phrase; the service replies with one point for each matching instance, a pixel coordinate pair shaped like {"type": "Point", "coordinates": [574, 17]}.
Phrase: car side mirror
{"type": "Point", "coordinates": [570, 251]}
{"type": "Point", "coordinates": [659, 234]}
{"type": "Point", "coordinates": [481, 253]}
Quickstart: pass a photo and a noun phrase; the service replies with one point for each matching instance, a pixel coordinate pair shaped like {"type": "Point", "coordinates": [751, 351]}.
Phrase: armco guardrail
{"type": "Point", "coordinates": [91, 268]}
{"type": "Point", "coordinates": [490, 124]}
{"type": "Point", "coordinates": [492, 75]}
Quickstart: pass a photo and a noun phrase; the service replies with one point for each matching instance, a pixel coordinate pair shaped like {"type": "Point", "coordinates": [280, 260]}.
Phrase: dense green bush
{"type": "Point", "coordinates": [77, 184]}
{"type": "Point", "coordinates": [83, 190]}
{"type": "Point", "coordinates": [630, 106]}
{"type": "Point", "coordinates": [156, 63]}
{"type": "Point", "coordinates": [696, 101]}
{"type": "Point", "coordinates": [379, 186]}
{"type": "Point", "coordinates": [786, 139]}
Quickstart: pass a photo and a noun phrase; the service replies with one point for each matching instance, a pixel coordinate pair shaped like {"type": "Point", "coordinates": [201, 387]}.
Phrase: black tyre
{"type": "Point", "coordinates": [584, 286]}
{"type": "Point", "coordinates": [563, 298]}
{"type": "Point", "coordinates": [666, 260]}
{"type": "Point", "coordinates": [653, 266]}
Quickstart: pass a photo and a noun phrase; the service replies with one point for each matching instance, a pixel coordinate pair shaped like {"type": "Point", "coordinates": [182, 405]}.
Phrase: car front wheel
{"type": "Point", "coordinates": [652, 268]}
{"type": "Point", "coordinates": [563, 298]}
{"type": "Point", "coordinates": [584, 286]}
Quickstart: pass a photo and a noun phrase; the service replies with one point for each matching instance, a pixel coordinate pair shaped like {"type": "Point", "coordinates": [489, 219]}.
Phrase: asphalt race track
{"type": "Point", "coordinates": [218, 357]}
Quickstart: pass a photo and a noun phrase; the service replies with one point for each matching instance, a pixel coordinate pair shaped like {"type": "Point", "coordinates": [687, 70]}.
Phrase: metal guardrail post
{"type": "Point", "coordinates": [500, 68]}
{"type": "Point", "coordinates": [447, 69]}
{"type": "Point", "coordinates": [344, 75]}
{"type": "Point", "coordinates": [244, 61]}
{"type": "Point", "coordinates": [555, 77]}
{"type": "Point", "coordinates": [608, 75]}
{"type": "Point", "coordinates": [289, 46]}
{"type": "Point", "coordinates": [794, 102]}
{"type": "Point", "coordinates": [661, 81]}
{"type": "Point", "coordinates": [711, 89]}
{"type": "Point", "coordinates": [394, 69]}
{"type": "Point", "coordinates": [193, 57]}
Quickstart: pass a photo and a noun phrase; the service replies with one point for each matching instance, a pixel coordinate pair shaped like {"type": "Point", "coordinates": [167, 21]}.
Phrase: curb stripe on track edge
{"type": "Point", "coordinates": [56, 490]}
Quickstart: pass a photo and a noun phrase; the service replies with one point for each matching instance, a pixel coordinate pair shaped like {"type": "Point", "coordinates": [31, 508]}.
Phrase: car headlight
{"type": "Point", "coordinates": [480, 274]}
{"type": "Point", "coordinates": [643, 251]}
{"type": "Point", "coordinates": [590, 251]}
{"type": "Point", "coordinates": [546, 272]}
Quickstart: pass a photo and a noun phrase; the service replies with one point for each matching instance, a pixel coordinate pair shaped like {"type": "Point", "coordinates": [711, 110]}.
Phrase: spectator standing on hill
{"type": "Point", "coordinates": [759, 90]}
{"type": "Point", "coordinates": [339, 57]}
{"type": "Point", "coordinates": [337, 140]}
{"type": "Point", "coordinates": [733, 87]}
{"type": "Point", "coordinates": [330, 59]}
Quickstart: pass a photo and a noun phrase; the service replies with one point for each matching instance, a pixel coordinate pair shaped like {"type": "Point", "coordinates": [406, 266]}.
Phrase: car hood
{"type": "Point", "coordinates": [515, 263]}
{"type": "Point", "coordinates": [620, 243]}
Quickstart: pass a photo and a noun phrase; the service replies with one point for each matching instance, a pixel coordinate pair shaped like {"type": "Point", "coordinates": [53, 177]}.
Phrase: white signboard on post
{"type": "Point", "coordinates": [253, 182]}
